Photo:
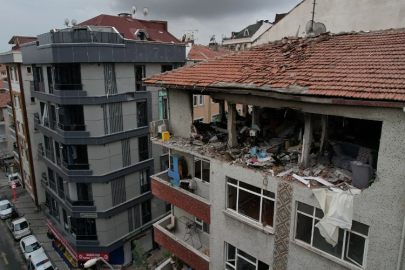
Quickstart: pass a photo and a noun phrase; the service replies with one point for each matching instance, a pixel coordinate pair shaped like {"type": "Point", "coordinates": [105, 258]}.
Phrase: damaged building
{"type": "Point", "coordinates": [310, 177]}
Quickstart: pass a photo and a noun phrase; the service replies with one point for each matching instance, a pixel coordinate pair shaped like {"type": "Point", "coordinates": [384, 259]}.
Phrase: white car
{"type": "Point", "coordinates": [40, 262]}
{"type": "Point", "coordinates": [31, 247]}
{"type": "Point", "coordinates": [6, 209]}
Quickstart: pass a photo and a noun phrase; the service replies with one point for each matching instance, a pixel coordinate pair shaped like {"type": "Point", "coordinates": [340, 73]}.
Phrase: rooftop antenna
{"type": "Point", "coordinates": [145, 12]}
{"type": "Point", "coordinates": [192, 32]}
{"type": "Point", "coordinates": [133, 11]}
{"type": "Point", "coordinates": [313, 14]}
{"type": "Point", "coordinates": [74, 22]}
{"type": "Point", "coordinates": [67, 22]}
{"type": "Point", "coordinates": [312, 27]}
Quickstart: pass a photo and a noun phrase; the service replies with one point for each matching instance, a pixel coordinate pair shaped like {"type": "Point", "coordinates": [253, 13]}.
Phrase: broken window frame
{"type": "Point", "coordinates": [202, 161]}
{"type": "Point", "coordinates": [199, 120]}
{"type": "Point", "coordinates": [346, 237]}
{"type": "Point", "coordinates": [198, 100]}
{"type": "Point", "coordinates": [239, 254]}
{"type": "Point", "coordinates": [215, 117]}
{"type": "Point", "coordinates": [202, 225]}
{"type": "Point", "coordinates": [261, 196]}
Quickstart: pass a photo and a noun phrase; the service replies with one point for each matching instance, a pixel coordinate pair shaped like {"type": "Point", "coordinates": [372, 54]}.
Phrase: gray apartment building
{"type": "Point", "coordinates": [93, 115]}
{"type": "Point", "coordinates": [327, 118]}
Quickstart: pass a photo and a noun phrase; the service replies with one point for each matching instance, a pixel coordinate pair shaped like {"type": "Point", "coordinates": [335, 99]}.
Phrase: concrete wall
{"type": "Point", "coordinates": [339, 16]}
{"type": "Point", "coordinates": [180, 112]}
{"type": "Point", "coordinates": [381, 206]}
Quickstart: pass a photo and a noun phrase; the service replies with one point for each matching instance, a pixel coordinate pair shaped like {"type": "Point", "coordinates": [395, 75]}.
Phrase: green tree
{"type": "Point", "coordinates": [140, 258]}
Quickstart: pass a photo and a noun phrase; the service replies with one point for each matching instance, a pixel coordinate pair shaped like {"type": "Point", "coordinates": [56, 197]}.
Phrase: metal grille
{"type": "Point", "coordinates": [110, 79]}
{"type": "Point", "coordinates": [115, 119]}
{"type": "Point", "coordinates": [118, 191]}
{"type": "Point", "coordinates": [126, 153]}
{"type": "Point", "coordinates": [134, 218]}
{"type": "Point", "coordinates": [105, 116]}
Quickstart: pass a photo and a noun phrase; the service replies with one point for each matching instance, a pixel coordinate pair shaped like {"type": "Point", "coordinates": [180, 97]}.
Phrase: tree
{"type": "Point", "coordinates": [140, 258]}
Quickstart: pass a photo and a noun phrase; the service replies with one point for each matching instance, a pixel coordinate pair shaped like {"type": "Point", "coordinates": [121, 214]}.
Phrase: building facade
{"type": "Point", "coordinates": [92, 114]}
{"type": "Point", "coordinates": [232, 211]}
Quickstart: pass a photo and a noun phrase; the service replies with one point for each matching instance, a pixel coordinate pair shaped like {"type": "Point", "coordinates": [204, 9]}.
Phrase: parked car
{"type": "Point", "coordinates": [40, 262]}
{"type": "Point", "coordinates": [19, 227]}
{"type": "Point", "coordinates": [14, 177]}
{"type": "Point", "coordinates": [2, 197]}
{"type": "Point", "coordinates": [6, 209]}
{"type": "Point", "coordinates": [31, 247]}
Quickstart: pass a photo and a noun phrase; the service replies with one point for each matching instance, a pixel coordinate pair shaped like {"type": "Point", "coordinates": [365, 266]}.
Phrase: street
{"type": "Point", "coordinates": [10, 253]}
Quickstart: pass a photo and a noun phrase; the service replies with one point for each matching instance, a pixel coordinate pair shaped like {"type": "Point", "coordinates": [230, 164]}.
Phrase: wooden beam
{"type": "Point", "coordinates": [306, 149]}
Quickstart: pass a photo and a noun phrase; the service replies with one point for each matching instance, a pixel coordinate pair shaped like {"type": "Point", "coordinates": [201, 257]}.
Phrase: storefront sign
{"type": "Point", "coordinates": [88, 215]}
{"type": "Point", "coordinates": [61, 239]}
{"type": "Point", "coordinates": [89, 256]}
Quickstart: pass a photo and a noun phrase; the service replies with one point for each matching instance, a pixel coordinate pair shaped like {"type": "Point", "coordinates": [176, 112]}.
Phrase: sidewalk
{"type": "Point", "coordinates": [25, 206]}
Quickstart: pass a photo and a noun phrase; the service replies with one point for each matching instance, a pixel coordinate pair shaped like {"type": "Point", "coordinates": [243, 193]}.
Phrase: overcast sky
{"type": "Point", "coordinates": [210, 17]}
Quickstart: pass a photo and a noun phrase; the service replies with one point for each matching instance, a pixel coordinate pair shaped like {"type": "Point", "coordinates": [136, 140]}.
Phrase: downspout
{"type": "Point", "coordinates": [15, 122]}
{"type": "Point", "coordinates": [28, 137]}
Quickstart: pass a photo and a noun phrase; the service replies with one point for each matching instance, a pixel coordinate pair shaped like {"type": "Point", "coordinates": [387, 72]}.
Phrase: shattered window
{"type": "Point", "coordinates": [202, 169]}
{"type": "Point", "coordinates": [351, 244]}
{"type": "Point", "coordinates": [251, 202]}
{"type": "Point", "coordinates": [238, 259]}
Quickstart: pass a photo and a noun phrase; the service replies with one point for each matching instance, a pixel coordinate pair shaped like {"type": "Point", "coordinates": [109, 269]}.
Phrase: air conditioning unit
{"type": "Point", "coordinates": [162, 128]}
{"type": "Point", "coordinates": [192, 184]}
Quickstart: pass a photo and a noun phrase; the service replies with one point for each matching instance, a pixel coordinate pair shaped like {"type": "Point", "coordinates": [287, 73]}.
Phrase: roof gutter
{"type": "Point", "coordinates": [279, 93]}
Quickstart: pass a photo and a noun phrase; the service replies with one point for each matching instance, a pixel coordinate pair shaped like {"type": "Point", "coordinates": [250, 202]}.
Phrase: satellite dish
{"type": "Point", "coordinates": [314, 28]}
{"type": "Point", "coordinates": [133, 11]}
{"type": "Point", "coordinates": [74, 22]}
{"type": "Point", "coordinates": [145, 12]}
{"type": "Point", "coordinates": [67, 22]}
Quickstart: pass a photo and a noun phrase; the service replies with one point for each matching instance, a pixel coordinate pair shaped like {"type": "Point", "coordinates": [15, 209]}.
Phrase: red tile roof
{"type": "Point", "coordinates": [201, 52]}
{"type": "Point", "coordinates": [157, 30]}
{"type": "Point", "coordinates": [4, 97]}
{"type": "Point", "coordinates": [367, 66]}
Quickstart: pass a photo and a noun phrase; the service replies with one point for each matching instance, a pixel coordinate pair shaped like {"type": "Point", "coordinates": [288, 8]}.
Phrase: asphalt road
{"type": "Point", "coordinates": [10, 253]}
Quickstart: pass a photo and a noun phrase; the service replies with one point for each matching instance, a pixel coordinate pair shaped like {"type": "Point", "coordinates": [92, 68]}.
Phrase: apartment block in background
{"type": "Point", "coordinates": [92, 115]}
{"type": "Point", "coordinates": [323, 123]}
{"type": "Point", "coordinates": [20, 109]}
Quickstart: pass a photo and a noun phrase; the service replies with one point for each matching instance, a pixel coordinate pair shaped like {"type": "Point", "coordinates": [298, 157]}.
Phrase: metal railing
{"type": "Point", "coordinates": [67, 87]}
{"type": "Point", "coordinates": [145, 188]}
{"type": "Point", "coordinates": [37, 86]}
{"type": "Point", "coordinates": [86, 37]}
{"type": "Point", "coordinates": [37, 119]}
{"type": "Point", "coordinates": [58, 161]}
{"type": "Point", "coordinates": [85, 237]}
{"type": "Point", "coordinates": [41, 149]}
{"type": "Point", "coordinates": [79, 203]}
{"type": "Point", "coordinates": [75, 166]}
{"type": "Point", "coordinates": [61, 193]}
{"type": "Point", "coordinates": [71, 127]}
{"type": "Point", "coordinates": [52, 185]}
{"type": "Point", "coordinates": [44, 179]}
{"type": "Point", "coordinates": [49, 155]}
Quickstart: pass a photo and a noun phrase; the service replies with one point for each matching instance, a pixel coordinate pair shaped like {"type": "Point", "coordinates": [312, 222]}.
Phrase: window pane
{"type": "Point", "coordinates": [318, 213]}
{"type": "Point", "coordinates": [231, 254]}
{"type": "Point", "coordinates": [250, 187]}
{"type": "Point", "coordinates": [268, 194]}
{"type": "Point", "coordinates": [360, 227]}
{"type": "Point", "coordinates": [304, 228]}
{"type": "Point", "coordinates": [247, 256]}
{"type": "Point", "coordinates": [244, 265]}
{"type": "Point", "coordinates": [249, 204]}
{"type": "Point", "coordinates": [305, 208]}
{"type": "Point", "coordinates": [267, 212]}
{"type": "Point", "coordinates": [232, 194]}
{"type": "Point", "coordinates": [355, 247]}
{"type": "Point", "coordinates": [197, 168]}
{"type": "Point", "coordinates": [205, 171]}
{"type": "Point", "coordinates": [233, 181]}
{"type": "Point", "coordinates": [320, 243]}
{"type": "Point", "coordinates": [262, 266]}
{"type": "Point", "coordinates": [206, 227]}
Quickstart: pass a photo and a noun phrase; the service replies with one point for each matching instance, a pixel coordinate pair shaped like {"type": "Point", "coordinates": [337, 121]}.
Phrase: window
{"type": "Point", "coordinates": [66, 76]}
{"type": "Point", "coordinates": [141, 35]}
{"type": "Point", "coordinates": [139, 74]}
{"type": "Point", "coordinates": [55, 209]}
{"type": "Point", "coordinates": [238, 259]}
{"type": "Point", "coordinates": [202, 169]}
{"type": "Point", "coordinates": [142, 114]}
{"type": "Point", "coordinates": [202, 225]}
{"type": "Point", "coordinates": [3, 73]}
{"type": "Point", "coordinates": [29, 70]}
{"type": "Point", "coordinates": [22, 129]}
{"type": "Point", "coordinates": [246, 33]}
{"type": "Point", "coordinates": [199, 120]}
{"type": "Point", "coordinates": [144, 180]}
{"type": "Point", "coordinates": [166, 68]}
{"type": "Point", "coordinates": [198, 100]}
{"type": "Point", "coordinates": [351, 246]}
{"type": "Point", "coordinates": [250, 201]}
{"type": "Point", "coordinates": [215, 117]}
{"type": "Point", "coordinates": [32, 100]}
{"type": "Point", "coordinates": [146, 213]}
{"type": "Point", "coordinates": [16, 76]}
{"type": "Point", "coordinates": [84, 228]}
{"type": "Point", "coordinates": [168, 206]}
{"type": "Point", "coordinates": [26, 177]}
{"type": "Point", "coordinates": [22, 151]}
{"type": "Point", "coordinates": [162, 104]}
{"type": "Point", "coordinates": [16, 101]}
{"type": "Point", "coordinates": [143, 146]}
{"type": "Point", "coordinates": [11, 71]}
{"type": "Point", "coordinates": [134, 218]}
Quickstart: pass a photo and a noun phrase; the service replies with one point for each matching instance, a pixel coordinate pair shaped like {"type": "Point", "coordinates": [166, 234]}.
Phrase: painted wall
{"type": "Point", "coordinates": [339, 16]}
{"type": "Point", "coordinates": [180, 112]}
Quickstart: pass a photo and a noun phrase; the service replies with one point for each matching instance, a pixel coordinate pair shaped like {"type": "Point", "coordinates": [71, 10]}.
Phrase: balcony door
{"type": "Point", "coordinates": [50, 79]}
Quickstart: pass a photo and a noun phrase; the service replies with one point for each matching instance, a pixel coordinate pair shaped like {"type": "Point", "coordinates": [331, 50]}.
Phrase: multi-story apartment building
{"type": "Point", "coordinates": [22, 130]}
{"type": "Point", "coordinates": [6, 142]}
{"type": "Point", "coordinates": [327, 119]}
{"type": "Point", "coordinates": [92, 116]}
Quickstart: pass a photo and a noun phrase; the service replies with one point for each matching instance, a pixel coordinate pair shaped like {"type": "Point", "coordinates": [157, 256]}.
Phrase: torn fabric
{"type": "Point", "coordinates": [338, 213]}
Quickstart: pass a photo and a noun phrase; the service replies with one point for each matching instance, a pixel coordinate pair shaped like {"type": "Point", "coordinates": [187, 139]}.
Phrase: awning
{"type": "Point", "coordinates": [61, 239]}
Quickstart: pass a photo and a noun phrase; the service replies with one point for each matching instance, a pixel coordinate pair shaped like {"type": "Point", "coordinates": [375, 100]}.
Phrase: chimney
{"type": "Point", "coordinates": [213, 46]}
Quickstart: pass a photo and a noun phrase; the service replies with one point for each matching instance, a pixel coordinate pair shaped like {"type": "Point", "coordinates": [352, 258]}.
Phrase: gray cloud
{"type": "Point", "coordinates": [210, 17]}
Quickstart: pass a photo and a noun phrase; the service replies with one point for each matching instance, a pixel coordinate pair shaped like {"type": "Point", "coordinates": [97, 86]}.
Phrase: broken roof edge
{"type": "Point", "coordinates": [292, 93]}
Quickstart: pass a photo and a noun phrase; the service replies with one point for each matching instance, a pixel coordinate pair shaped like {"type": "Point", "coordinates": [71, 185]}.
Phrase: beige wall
{"type": "Point", "coordinates": [209, 109]}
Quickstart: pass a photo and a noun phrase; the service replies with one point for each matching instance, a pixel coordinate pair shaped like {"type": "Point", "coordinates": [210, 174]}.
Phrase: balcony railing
{"type": "Point", "coordinates": [49, 155]}
{"type": "Point", "coordinates": [58, 161]}
{"type": "Point", "coordinates": [37, 86]}
{"type": "Point", "coordinates": [37, 119]}
{"type": "Point", "coordinates": [44, 179]}
{"type": "Point", "coordinates": [71, 127]}
{"type": "Point", "coordinates": [79, 203]}
{"type": "Point", "coordinates": [75, 166]}
{"type": "Point", "coordinates": [86, 37]}
{"type": "Point", "coordinates": [52, 185]}
{"type": "Point", "coordinates": [67, 87]}
{"type": "Point", "coordinates": [1, 119]}
{"type": "Point", "coordinates": [84, 237]}
{"type": "Point", "coordinates": [9, 104]}
{"type": "Point", "coordinates": [40, 149]}
{"type": "Point", "coordinates": [61, 193]}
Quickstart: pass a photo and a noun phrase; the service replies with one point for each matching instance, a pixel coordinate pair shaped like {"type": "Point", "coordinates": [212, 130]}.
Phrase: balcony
{"type": "Point", "coordinates": [182, 198]}
{"type": "Point", "coordinates": [71, 127]}
{"type": "Point", "coordinates": [68, 87]}
{"type": "Point", "coordinates": [79, 203]}
{"type": "Point", "coordinates": [10, 108]}
{"type": "Point", "coordinates": [12, 132]}
{"type": "Point", "coordinates": [75, 166]}
{"type": "Point", "coordinates": [189, 250]}
{"type": "Point", "coordinates": [37, 119]}
{"type": "Point", "coordinates": [40, 149]}
{"type": "Point", "coordinates": [44, 179]}
{"type": "Point", "coordinates": [37, 86]}
{"type": "Point", "coordinates": [49, 155]}
{"type": "Point", "coordinates": [3, 137]}
{"type": "Point", "coordinates": [6, 85]}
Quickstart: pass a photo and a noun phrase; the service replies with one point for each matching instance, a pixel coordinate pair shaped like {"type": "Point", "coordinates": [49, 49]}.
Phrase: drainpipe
{"type": "Point", "coordinates": [401, 246]}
